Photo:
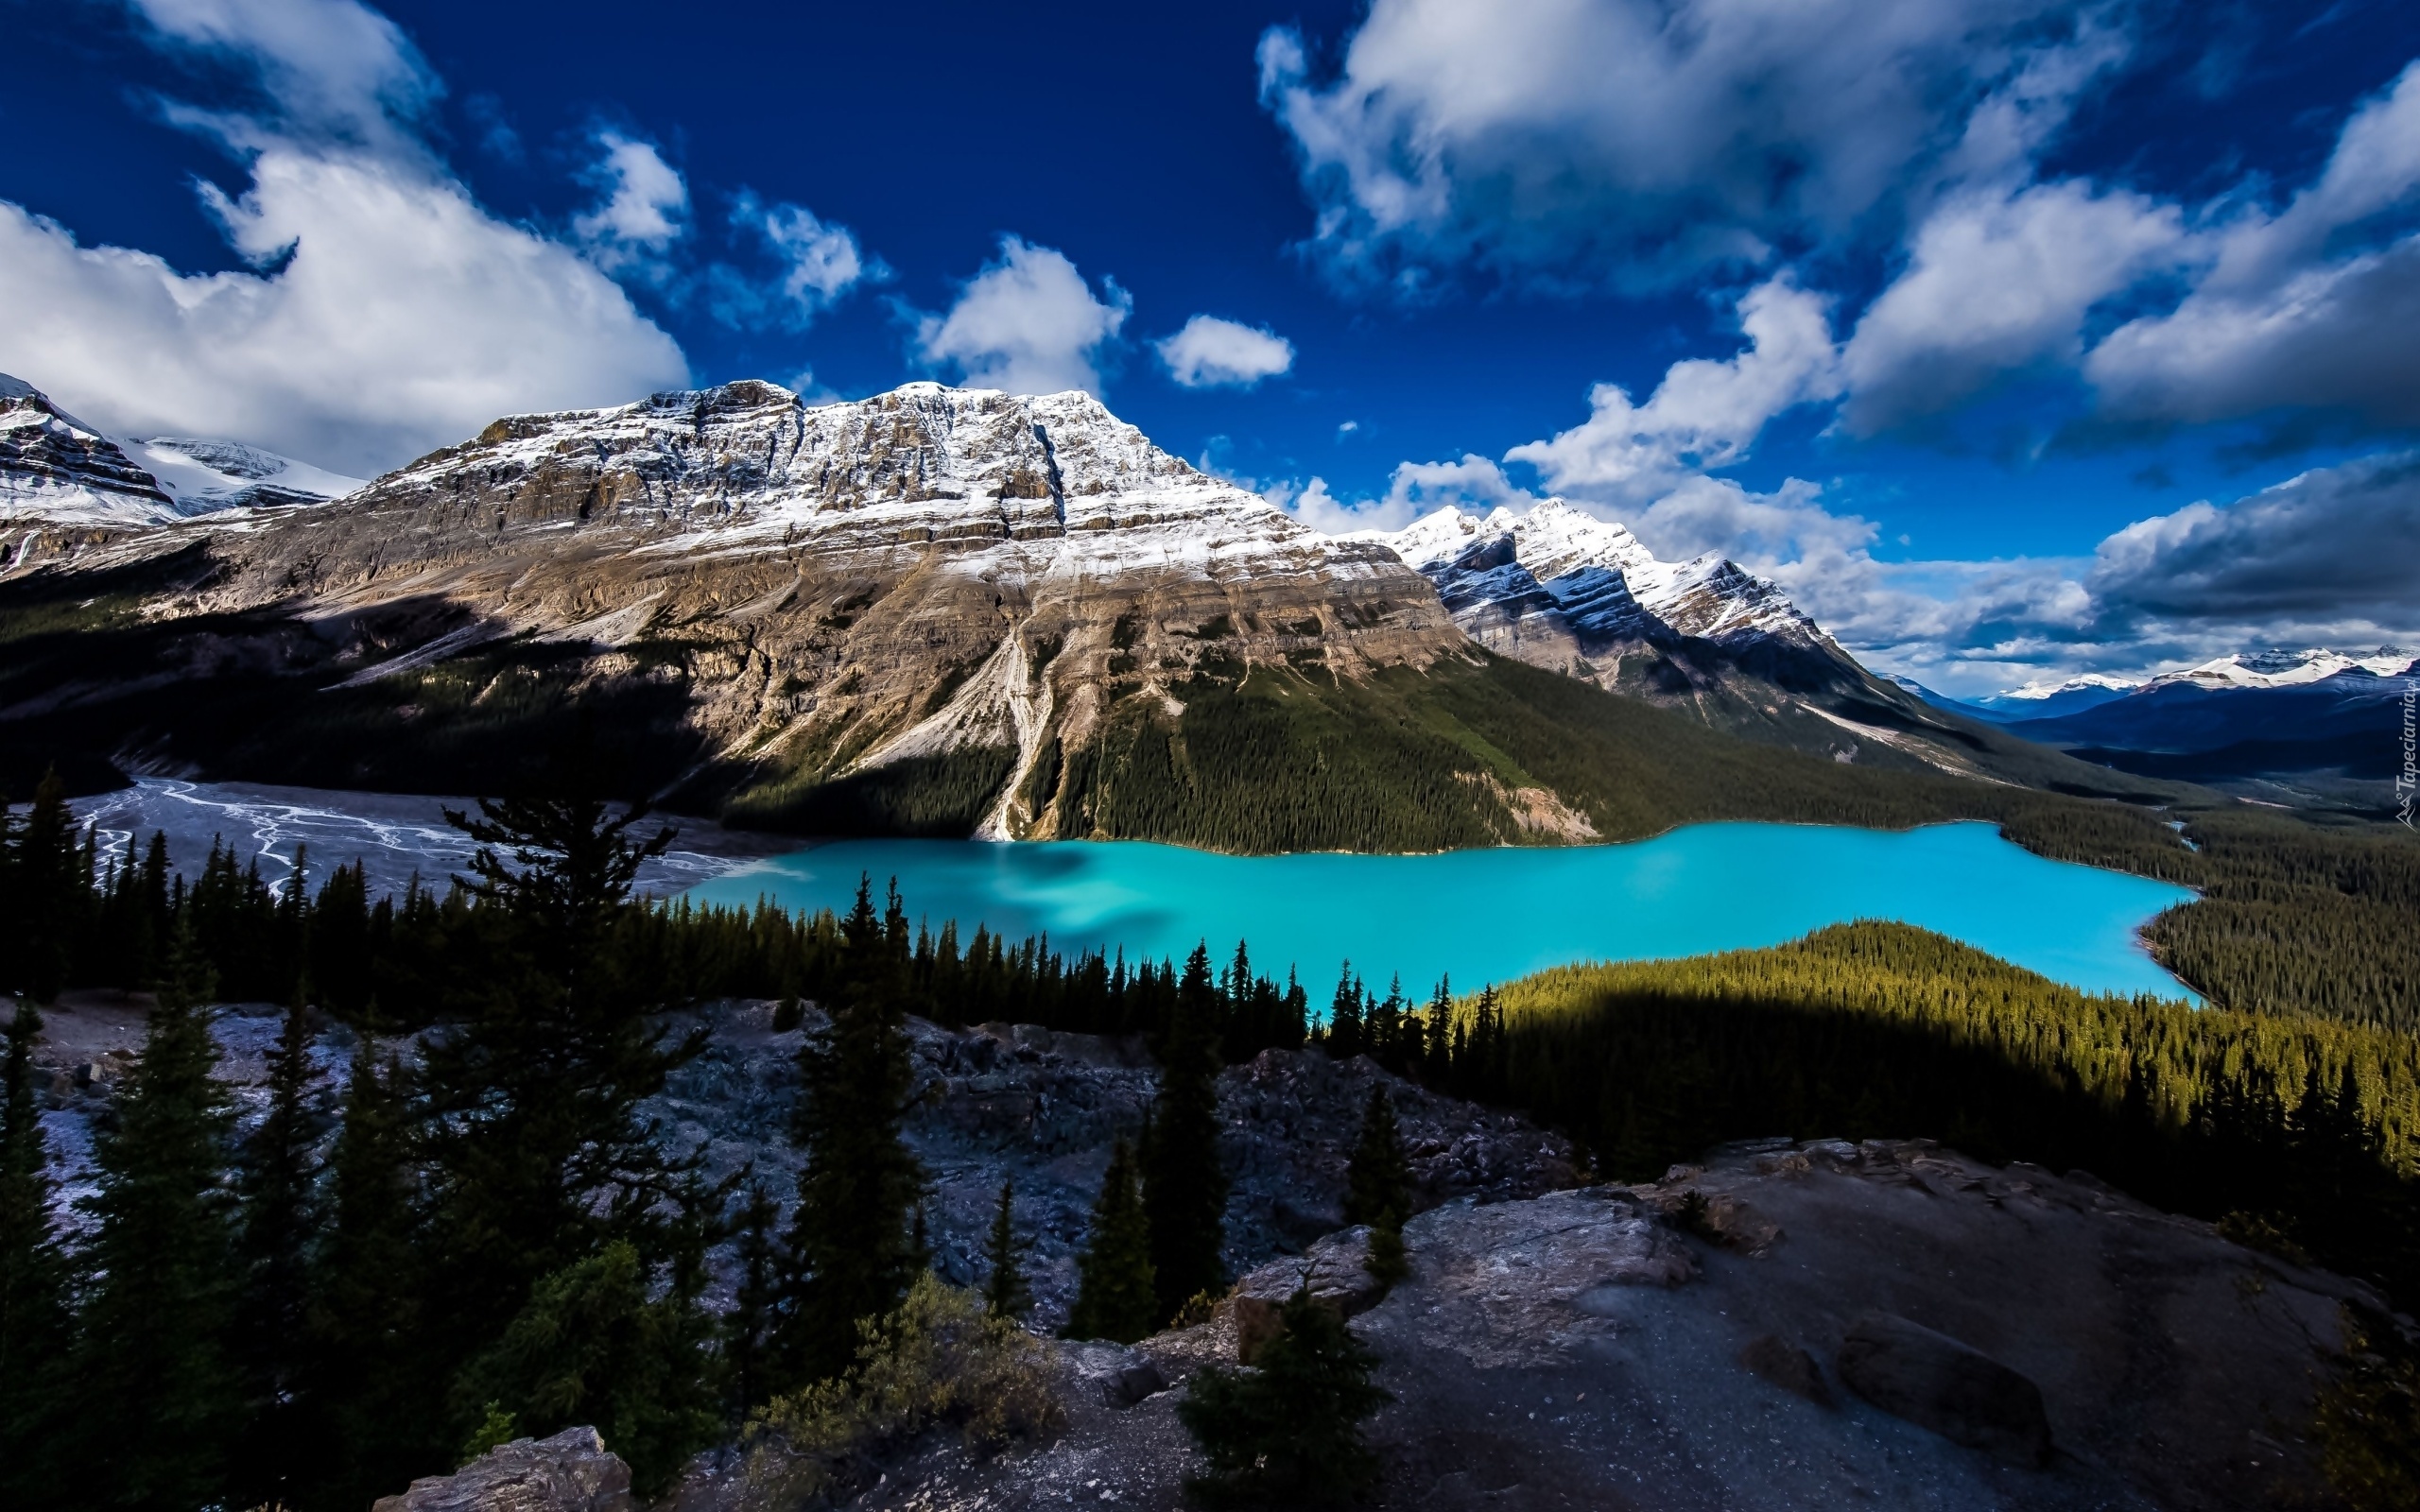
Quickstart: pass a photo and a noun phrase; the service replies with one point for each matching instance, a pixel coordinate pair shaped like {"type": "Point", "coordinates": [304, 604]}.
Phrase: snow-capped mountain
{"type": "Point", "coordinates": [1558, 571]}
{"type": "Point", "coordinates": [2286, 669]}
{"type": "Point", "coordinates": [204, 476]}
{"type": "Point", "coordinates": [932, 575]}
{"type": "Point", "coordinates": [1562, 590]}
{"type": "Point", "coordinates": [56, 470]}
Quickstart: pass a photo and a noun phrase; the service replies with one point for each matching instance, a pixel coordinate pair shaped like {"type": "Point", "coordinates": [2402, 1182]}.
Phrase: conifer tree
{"type": "Point", "coordinates": [1118, 1297]}
{"type": "Point", "coordinates": [1289, 1431]}
{"type": "Point", "coordinates": [47, 900]}
{"type": "Point", "coordinates": [276, 1181]}
{"type": "Point", "coordinates": [1378, 1176]}
{"type": "Point", "coordinates": [375, 1391]}
{"type": "Point", "coordinates": [1378, 1186]}
{"type": "Point", "coordinates": [749, 1327]}
{"type": "Point", "coordinates": [1005, 1293]}
{"type": "Point", "coordinates": [1344, 1039]}
{"type": "Point", "coordinates": [539, 1156]}
{"type": "Point", "coordinates": [1185, 1190]}
{"type": "Point", "coordinates": [852, 1244]}
{"type": "Point", "coordinates": [34, 1280]}
{"type": "Point", "coordinates": [154, 1332]}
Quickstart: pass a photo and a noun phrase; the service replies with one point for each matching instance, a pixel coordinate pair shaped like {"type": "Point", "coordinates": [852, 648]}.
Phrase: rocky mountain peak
{"type": "Point", "coordinates": [57, 470]}
{"type": "Point", "coordinates": [1599, 582]}
{"type": "Point", "coordinates": [54, 467]}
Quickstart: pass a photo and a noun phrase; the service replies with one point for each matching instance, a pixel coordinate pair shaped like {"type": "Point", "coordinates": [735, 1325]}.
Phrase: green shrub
{"type": "Point", "coordinates": [1290, 1429]}
{"type": "Point", "coordinates": [939, 1360]}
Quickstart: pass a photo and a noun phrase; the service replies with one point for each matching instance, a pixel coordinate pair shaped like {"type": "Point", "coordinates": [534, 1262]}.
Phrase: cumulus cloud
{"type": "Point", "coordinates": [1645, 139]}
{"type": "Point", "coordinates": [2315, 306]}
{"type": "Point", "coordinates": [1210, 353]}
{"type": "Point", "coordinates": [645, 209]}
{"type": "Point", "coordinates": [1999, 281]}
{"type": "Point", "coordinates": [386, 313]}
{"type": "Point", "coordinates": [2335, 546]}
{"type": "Point", "coordinates": [1027, 323]}
{"type": "Point", "coordinates": [328, 70]}
{"type": "Point", "coordinates": [815, 264]}
{"type": "Point", "coordinates": [1705, 413]}
{"type": "Point", "coordinates": [405, 318]}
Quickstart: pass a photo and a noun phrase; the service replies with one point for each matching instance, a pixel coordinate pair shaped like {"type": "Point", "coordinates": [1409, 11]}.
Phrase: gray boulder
{"type": "Point", "coordinates": [1932, 1380]}
{"type": "Point", "coordinates": [569, 1472]}
{"type": "Point", "coordinates": [1336, 1272]}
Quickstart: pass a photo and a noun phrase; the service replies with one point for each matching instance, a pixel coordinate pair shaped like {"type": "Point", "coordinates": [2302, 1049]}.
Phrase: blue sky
{"type": "Point", "coordinates": [2016, 337]}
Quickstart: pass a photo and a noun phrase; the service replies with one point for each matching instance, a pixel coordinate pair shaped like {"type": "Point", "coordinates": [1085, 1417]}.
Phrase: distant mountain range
{"type": "Point", "coordinates": [2271, 715]}
{"type": "Point", "coordinates": [57, 470]}
{"type": "Point", "coordinates": [935, 610]}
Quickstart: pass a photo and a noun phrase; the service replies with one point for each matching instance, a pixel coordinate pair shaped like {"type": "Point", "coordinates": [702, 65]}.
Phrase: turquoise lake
{"type": "Point", "coordinates": [1490, 916]}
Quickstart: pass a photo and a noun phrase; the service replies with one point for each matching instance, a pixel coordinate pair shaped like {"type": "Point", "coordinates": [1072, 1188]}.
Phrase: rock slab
{"type": "Point", "coordinates": [570, 1472]}
{"type": "Point", "coordinates": [1960, 1393]}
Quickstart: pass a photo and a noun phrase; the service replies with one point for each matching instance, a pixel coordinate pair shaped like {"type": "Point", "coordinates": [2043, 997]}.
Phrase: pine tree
{"type": "Point", "coordinates": [1344, 1039]}
{"type": "Point", "coordinates": [34, 1282]}
{"type": "Point", "coordinates": [1378, 1178]}
{"type": "Point", "coordinates": [851, 1240]}
{"type": "Point", "coordinates": [1118, 1297]}
{"type": "Point", "coordinates": [1185, 1190]}
{"type": "Point", "coordinates": [1006, 1294]}
{"type": "Point", "coordinates": [1289, 1431]}
{"type": "Point", "coordinates": [154, 1348]}
{"type": "Point", "coordinates": [541, 1157]}
{"type": "Point", "coordinates": [749, 1327]}
{"type": "Point", "coordinates": [276, 1181]}
{"type": "Point", "coordinates": [1378, 1186]}
{"type": "Point", "coordinates": [47, 899]}
{"type": "Point", "coordinates": [375, 1382]}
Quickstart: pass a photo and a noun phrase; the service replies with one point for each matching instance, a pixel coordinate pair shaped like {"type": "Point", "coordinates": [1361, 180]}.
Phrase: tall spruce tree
{"type": "Point", "coordinates": [852, 1241]}
{"type": "Point", "coordinates": [1005, 1292]}
{"type": "Point", "coordinates": [34, 1282]}
{"type": "Point", "coordinates": [1185, 1189]}
{"type": "Point", "coordinates": [1343, 1037]}
{"type": "Point", "coordinates": [1378, 1175]}
{"type": "Point", "coordinates": [1117, 1296]}
{"type": "Point", "coordinates": [540, 1158]}
{"type": "Point", "coordinates": [749, 1329]}
{"type": "Point", "coordinates": [154, 1333]}
{"type": "Point", "coordinates": [277, 1178]}
{"type": "Point", "coordinates": [1378, 1186]}
{"type": "Point", "coordinates": [375, 1382]}
{"type": "Point", "coordinates": [48, 902]}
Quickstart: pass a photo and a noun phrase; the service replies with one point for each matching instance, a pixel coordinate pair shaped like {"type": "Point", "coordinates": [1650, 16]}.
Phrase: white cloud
{"type": "Point", "coordinates": [1027, 323]}
{"type": "Point", "coordinates": [1210, 352]}
{"type": "Point", "coordinates": [408, 318]}
{"type": "Point", "coordinates": [1999, 281]}
{"type": "Point", "coordinates": [1649, 138]}
{"type": "Point", "coordinates": [815, 264]}
{"type": "Point", "coordinates": [332, 70]}
{"type": "Point", "coordinates": [2334, 545]}
{"type": "Point", "coordinates": [390, 313]}
{"type": "Point", "coordinates": [1705, 413]}
{"type": "Point", "coordinates": [644, 211]}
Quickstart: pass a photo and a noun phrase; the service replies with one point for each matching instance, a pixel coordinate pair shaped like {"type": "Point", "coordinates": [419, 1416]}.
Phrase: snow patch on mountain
{"type": "Point", "coordinates": [57, 470]}
{"type": "Point", "coordinates": [1032, 487]}
{"type": "Point", "coordinates": [205, 476]}
{"type": "Point", "coordinates": [1594, 573]}
{"type": "Point", "coordinates": [2286, 669]}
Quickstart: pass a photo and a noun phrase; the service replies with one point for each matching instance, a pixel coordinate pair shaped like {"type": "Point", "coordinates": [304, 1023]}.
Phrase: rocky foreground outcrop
{"type": "Point", "coordinates": [569, 1472]}
{"type": "Point", "coordinates": [1885, 1325]}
